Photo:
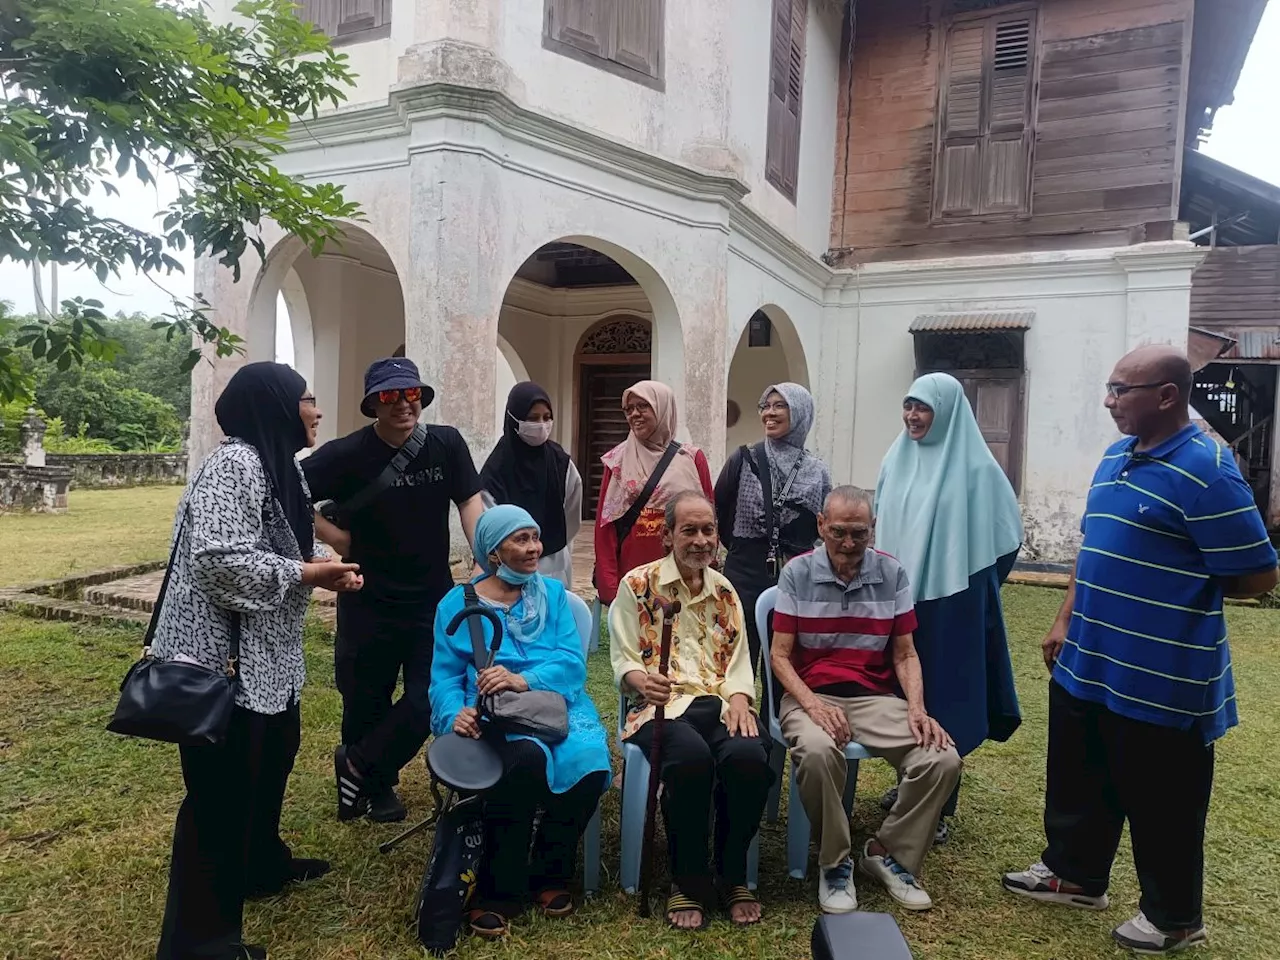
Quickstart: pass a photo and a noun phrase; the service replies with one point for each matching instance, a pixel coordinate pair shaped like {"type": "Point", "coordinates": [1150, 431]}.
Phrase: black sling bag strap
{"type": "Point", "coordinates": [771, 507]}
{"type": "Point", "coordinates": [389, 475]}
{"type": "Point", "coordinates": [622, 526]}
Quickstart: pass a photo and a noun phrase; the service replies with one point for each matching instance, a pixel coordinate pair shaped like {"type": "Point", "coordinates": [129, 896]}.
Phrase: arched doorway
{"type": "Point", "coordinates": [345, 308]}
{"type": "Point", "coordinates": [612, 355]}
{"type": "Point", "coordinates": [769, 351]}
{"type": "Point", "coordinates": [578, 322]}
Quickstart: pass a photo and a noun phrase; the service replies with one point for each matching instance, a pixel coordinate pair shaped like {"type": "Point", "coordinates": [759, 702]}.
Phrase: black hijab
{"type": "Point", "coordinates": [260, 407]}
{"type": "Point", "coordinates": [528, 476]}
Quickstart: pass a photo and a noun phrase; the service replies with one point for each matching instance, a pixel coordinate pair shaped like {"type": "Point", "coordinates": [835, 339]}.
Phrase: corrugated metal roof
{"type": "Point", "coordinates": [972, 322]}
{"type": "Point", "coordinates": [1252, 343]}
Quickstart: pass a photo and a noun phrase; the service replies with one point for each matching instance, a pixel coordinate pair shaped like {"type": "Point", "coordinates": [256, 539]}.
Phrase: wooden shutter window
{"type": "Point", "coordinates": [348, 21]}
{"type": "Point", "coordinates": [786, 88]}
{"type": "Point", "coordinates": [984, 143]}
{"type": "Point", "coordinates": [622, 36]}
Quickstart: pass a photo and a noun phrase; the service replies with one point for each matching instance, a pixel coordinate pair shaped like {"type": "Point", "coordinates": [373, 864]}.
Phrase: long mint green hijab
{"type": "Point", "coordinates": [944, 508]}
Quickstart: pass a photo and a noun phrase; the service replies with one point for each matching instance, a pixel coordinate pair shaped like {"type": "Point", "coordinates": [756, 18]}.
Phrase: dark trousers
{"type": "Point", "coordinates": [376, 642]}
{"type": "Point", "coordinates": [702, 765]}
{"type": "Point", "coordinates": [512, 871]}
{"type": "Point", "coordinates": [227, 837]}
{"type": "Point", "coordinates": [1103, 769]}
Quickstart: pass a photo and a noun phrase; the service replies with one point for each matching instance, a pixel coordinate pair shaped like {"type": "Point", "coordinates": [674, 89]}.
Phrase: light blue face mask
{"type": "Point", "coordinates": [514, 577]}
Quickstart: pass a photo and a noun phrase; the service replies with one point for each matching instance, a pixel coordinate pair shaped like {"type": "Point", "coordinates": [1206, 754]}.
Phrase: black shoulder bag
{"type": "Point", "coordinates": [173, 700]}
{"type": "Point", "coordinates": [622, 526]}
{"type": "Point", "coordinates": [542, 714]}
{"type": "Point", "coordinates": [773, 563]}
{"type": "Point", "coordinates": [339, 514]}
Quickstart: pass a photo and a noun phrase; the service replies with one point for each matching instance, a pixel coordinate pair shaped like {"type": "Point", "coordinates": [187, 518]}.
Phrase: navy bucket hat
{"type": "Point", "coordinates": [393, 373]}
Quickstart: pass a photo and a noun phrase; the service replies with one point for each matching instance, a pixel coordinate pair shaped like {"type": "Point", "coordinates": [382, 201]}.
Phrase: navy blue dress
{"type": "Point", "coordinates": [964, 658]}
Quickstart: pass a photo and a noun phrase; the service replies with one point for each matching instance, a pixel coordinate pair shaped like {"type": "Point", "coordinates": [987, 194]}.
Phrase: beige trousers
{"type": "Point", "coordinates": [880, 725]}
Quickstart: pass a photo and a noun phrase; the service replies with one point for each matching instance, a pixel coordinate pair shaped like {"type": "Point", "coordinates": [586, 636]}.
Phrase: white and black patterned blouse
{"type": "Point", "coordinates": [238, 556]}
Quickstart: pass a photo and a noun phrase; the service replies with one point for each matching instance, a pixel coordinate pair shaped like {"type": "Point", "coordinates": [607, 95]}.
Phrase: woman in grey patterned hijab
{"type": "Point", "coordinates": [760, 541]}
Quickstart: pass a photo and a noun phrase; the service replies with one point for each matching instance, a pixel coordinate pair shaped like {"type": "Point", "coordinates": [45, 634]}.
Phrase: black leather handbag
{"type": "Point", "coordinates": [176, 701]}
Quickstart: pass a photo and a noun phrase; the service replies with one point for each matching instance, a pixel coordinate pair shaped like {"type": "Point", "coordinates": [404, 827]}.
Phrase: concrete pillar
{"type": "Point", "coordinates": [31, 433]}
{"type": "Point", "coordinates": [1158, 303]}
{"type": "Point", "coordinates": [834, 384]}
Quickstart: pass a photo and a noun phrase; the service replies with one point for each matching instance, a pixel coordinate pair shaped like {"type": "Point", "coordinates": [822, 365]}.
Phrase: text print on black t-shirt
{"type": "Point", "coordinates": [401, 540]}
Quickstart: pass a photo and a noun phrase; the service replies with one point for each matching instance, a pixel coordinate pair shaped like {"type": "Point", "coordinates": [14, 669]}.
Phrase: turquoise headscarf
{"type": "Point", "coordinates": [944, 508]}
{"type": "Point", "coordinates": [494, 526]}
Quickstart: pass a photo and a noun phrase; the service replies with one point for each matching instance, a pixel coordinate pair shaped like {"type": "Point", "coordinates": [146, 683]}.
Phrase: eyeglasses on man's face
{"type": "Point", "coordinates": [1118, 390]}
{"type": "Point", "coordinates": [410, 394]}
{"type": "Point", "coordinates": [858, 534]}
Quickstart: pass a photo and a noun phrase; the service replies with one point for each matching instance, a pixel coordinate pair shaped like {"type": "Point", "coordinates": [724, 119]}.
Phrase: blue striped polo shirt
{"type": "Point", "coordinates": [1148, 638]}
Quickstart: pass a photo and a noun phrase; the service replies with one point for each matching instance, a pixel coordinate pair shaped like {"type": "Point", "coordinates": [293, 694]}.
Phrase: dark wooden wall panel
{"type": "Point", "coordinates": [1237, 287]}
{"type": "Point", "coordinates": [1109, 108]}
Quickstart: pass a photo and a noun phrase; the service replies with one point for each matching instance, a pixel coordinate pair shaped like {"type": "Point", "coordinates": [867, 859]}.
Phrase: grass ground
{"type": "Point", "coordinates": [101, 528]}
{"type": "Point", "coordinates": [85, 822]}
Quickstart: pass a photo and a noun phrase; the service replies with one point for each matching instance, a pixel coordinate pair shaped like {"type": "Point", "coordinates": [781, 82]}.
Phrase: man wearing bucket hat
{"type": "Point", "coordinates": [389, 485]}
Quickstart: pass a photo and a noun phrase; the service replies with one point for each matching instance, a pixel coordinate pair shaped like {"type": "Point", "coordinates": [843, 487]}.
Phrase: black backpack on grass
{"type": "Point", "coordinates": [450, 878]}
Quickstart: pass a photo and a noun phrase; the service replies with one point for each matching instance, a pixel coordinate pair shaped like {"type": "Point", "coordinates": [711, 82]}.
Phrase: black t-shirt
{"type": "Point", "coordinates": [401, 540]}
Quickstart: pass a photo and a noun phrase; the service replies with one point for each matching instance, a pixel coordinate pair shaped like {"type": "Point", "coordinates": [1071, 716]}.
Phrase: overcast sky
{"type": "Point", "coordinates": [1245, 135]}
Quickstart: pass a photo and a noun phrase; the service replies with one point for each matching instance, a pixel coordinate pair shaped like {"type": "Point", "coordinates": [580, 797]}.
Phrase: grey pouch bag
{"type": "Point", "coordinates": [535, 713]}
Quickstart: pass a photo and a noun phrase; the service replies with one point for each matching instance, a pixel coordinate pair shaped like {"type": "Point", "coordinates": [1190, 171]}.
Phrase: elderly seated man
{"type": "Point", "coordinates": [842, 649]}
{"type": "Point", "coordinates": [713, 746]}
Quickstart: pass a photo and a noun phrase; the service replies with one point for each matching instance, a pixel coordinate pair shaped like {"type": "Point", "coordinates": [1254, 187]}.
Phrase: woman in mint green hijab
{"type": "Point", "coordinates": [946, 511]}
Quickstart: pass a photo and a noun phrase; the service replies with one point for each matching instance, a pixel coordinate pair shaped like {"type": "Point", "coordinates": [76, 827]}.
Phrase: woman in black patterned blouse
{"type": "Point", "coordinates": [246, 558]}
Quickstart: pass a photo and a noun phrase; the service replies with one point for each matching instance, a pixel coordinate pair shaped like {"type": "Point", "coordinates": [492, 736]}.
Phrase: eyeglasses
{"type": "Point", "coordinates": [308, 400]}
{"type": "Point", "coordinates": [856, 534]}
{"type": "Point", "coordinates": [1118, 390]}
{"type": "Point", "coordinates": [410, 394]}
{"type": "Point", "coordinates": [638, 407]}
{"type": "Point", "coordinates": [780, 407]}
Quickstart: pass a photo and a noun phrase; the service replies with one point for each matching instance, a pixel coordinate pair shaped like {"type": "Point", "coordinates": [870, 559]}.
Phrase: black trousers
{"type": "Point", "coordinates": [746, 568]}
{"type": "Point", "coordinates": [227, 837]}
{"type": "Point", "coordinates": [1103, 769]}
{"type": "Point", "coordinates": [702, 765]}
{"type": "Point", "coordinates": [376, 642]}
{"type": "Point", "coordinates": [512, 871]}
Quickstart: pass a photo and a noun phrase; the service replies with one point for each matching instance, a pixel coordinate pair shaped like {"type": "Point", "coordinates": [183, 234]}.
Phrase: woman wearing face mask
{"type": "Point", "coordinates": [245, 560]}
{"type": "Point", "coordinates": [529, 469]}
{"type": "Point", "coordinates": [627, 537]}
{"type": "Point", "coordinates": [946, 511]}
{"type": "Point", "coordinates": [540, 650]}
{"type": "Point", "coordinates": [762, 537]}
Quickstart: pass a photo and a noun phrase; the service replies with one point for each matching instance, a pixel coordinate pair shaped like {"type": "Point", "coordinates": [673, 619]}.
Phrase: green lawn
{"type": "Point", "coordinates": [85, 821]}
{"type": "Point", "coordinates": [101, 528]}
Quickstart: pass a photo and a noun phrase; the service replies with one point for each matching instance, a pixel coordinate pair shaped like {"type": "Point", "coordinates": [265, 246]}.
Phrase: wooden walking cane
{"type": "Point", "coordinates": [669, 610]}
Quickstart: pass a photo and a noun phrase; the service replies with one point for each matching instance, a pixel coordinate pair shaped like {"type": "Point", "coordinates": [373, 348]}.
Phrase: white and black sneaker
{"type": "Point", "coordinates": [1038, 882]}
{"type": "Point", "coordinates": [352, 802]}
{"type": "Point", "coordinates": [1142, 936]}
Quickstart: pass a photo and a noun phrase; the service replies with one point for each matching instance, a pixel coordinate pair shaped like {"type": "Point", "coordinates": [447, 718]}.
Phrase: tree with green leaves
{"type": "Point", "coordinates": [95, 90]}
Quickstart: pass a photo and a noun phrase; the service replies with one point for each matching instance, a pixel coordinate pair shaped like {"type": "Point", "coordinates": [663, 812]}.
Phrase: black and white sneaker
{"type": "Point", "coordinates": [1142, 936]}
{"type": "Point", "coordinates": [352, 802]}
{"type": "Point", "coordinates": [387, 808]}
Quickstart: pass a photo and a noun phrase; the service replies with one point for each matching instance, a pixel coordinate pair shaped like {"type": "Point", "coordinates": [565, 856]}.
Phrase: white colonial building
{"type": "Point", "coordinates": [588, 192]}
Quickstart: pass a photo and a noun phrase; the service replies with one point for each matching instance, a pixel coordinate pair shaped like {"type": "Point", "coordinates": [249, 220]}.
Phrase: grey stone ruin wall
{"type": "Point", "coordinates": [26, 489]}
{"type": "Point", "coordinates": [99, 470]}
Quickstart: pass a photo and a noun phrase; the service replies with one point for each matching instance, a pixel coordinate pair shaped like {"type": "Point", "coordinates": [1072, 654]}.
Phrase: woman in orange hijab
{"type": "Point", "coordinates": [629, 519]}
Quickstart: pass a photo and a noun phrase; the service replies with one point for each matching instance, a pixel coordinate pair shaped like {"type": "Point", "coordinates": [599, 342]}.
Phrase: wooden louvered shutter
{"type": "Point", "coordinates": [786, 87]}
{"type": "Point", "coordinates": [1007, 151]}
{"type": "Point", "coordinates": [984, 145]}
{"type": "Point", "coordinates": [637, 35]}
{"type": "Point", "coordinates": [579, 23]}
{"type": "Point", "coordinates": [348, 20]}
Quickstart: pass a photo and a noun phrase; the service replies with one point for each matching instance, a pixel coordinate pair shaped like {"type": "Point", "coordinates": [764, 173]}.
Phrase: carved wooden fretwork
{"type": "Point", "coordinates": [624, 335]}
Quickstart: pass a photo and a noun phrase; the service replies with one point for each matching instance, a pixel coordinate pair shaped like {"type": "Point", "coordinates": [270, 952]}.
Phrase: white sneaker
{"type": "Point", "coordinates": [836, 893]}
{"type": "Point", "coordinates": [1040, 883]}
{"type": "Point", "coordinates": [897, 880]}
{"type": "Point", "coordinates": [1142, 936]}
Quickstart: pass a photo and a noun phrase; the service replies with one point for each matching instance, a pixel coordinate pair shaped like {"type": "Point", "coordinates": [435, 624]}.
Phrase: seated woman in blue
{"type": "Point", "coordinates": [541, 650]}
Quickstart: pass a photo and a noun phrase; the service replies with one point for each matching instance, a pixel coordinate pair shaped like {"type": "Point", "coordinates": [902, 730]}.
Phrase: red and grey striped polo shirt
{"type": "Point", "coordinates": [842, 630]}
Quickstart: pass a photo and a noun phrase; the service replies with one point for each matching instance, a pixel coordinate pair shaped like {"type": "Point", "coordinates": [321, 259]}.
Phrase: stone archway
{"type": "Point", "coordinates": [345, 308]}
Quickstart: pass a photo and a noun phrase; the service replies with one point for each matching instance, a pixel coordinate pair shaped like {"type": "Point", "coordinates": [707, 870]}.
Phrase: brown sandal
{"type": "Point", "coordinates": [555, 903]}
{"type": "Point", "coordinates": [487, 924]}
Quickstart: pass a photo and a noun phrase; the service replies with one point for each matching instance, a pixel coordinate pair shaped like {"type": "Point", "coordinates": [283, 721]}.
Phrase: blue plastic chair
{"type": "Point", "coordinates": [590, 836]}
{"type": "Point", "coordinates": [597, 613]}
{"type": "Point", "coordinates": [635, 789]}
{"type": "Point", "coordinates": [798, 826]}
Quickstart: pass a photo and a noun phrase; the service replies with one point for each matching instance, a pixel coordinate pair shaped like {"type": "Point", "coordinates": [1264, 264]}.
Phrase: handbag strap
{"type": "Point", "coordinates": [772, 504]}
{"type": "Point", "coordinates": [389, 475]}
{"type": "Point", "coordinates": [622, 526]}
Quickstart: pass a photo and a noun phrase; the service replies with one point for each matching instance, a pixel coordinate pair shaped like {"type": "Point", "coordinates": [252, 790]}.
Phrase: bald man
{"type": "Point", "coordinates": [1141, 671]}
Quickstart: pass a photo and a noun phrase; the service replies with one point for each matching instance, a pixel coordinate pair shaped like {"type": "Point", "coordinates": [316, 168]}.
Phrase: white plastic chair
{"type": "Point", "coordinates": [798, 826]}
